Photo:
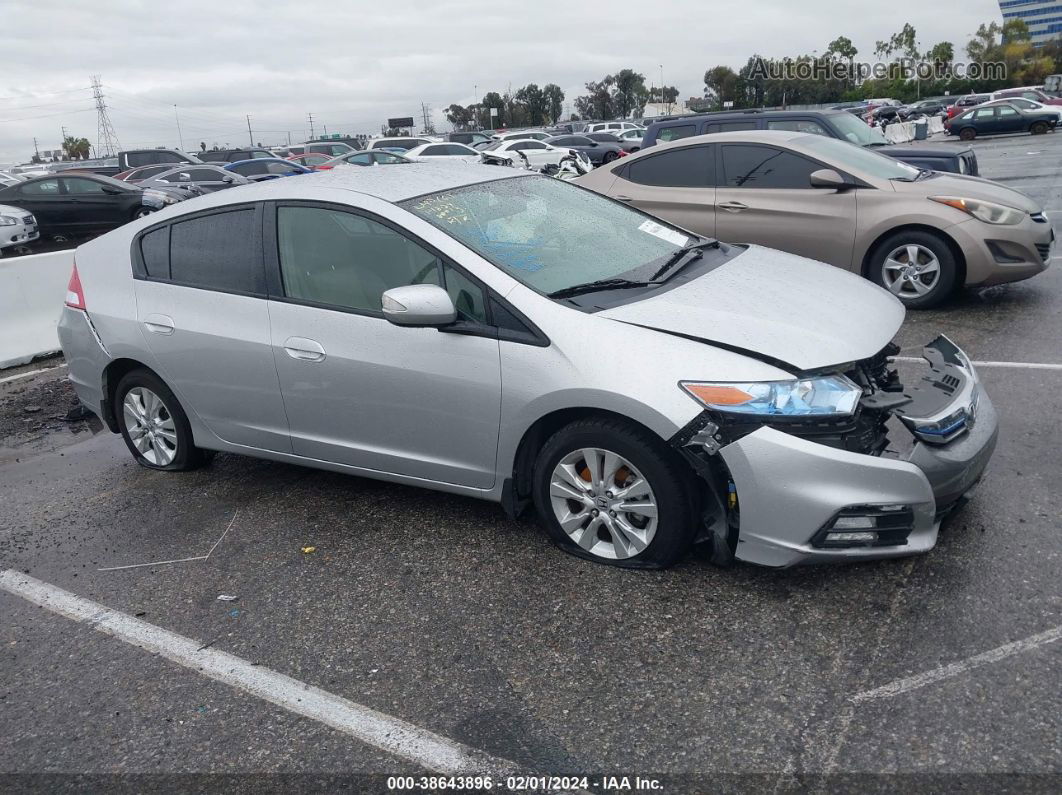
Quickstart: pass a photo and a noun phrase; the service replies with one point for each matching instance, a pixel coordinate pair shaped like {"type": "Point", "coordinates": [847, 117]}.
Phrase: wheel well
{"type": "Point", "coordinates": [112, 374]}
{"type": "Point", "coordinates": [960, 260]}
{"type": "Point", "coordinates": [516, 496]}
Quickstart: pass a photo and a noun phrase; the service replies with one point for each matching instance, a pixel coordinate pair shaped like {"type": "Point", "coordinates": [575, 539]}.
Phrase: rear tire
{"type": "Point", "coordinates": [153, 424]}
{"type": "Point", "coordinates": [142, 212]}
{"type": "Point", "coordinates": [589, 471]}
{"type": "Point", "coordinates": [917, 267]}
{"type": "Point", "coordinates": [968, 134]}
{"type": "Point", "coordinates": [1038, 128]}
{"type": "Point", "coordinates": [609, 157]}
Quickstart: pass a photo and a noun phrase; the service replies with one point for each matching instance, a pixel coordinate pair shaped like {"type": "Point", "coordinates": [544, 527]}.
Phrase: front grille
{"type": "Point", "coordinates": [1044, 250]}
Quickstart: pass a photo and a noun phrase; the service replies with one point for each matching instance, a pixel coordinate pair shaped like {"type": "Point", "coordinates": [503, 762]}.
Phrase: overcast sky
{"type": "Point", "coordinates": [354, 64]}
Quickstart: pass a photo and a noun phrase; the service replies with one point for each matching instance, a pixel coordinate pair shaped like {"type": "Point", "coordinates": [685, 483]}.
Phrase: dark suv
{"type": "Point", "coordinates": [232, 155]}
{"type": "Point", "coordinates": [830, 123]}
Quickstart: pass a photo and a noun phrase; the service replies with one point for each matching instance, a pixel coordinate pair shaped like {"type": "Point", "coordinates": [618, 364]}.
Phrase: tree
{"type": "Point", "coordinates": [554, 98]}
{"type": "Point", "coordinates": [77, 148]}
{"type": "Point", "coordinates": [459, 116]}
{"type": "Point", "coordinates": [903, 43]}
{"type": "Point", "coordinates": [492, 99]}
{"type": "Point", "coordinates": [723, 83]}
{"type": "Point", "coordinates": [984, 42]}
{"type": "Point", "coordinates": [597, 103]}
{"type": "Point", "coordinates": [842, 47]}
{"type": "Point", "coordinates": [534, 102]}
{"type": "Point", "coordinates": [629, 93]}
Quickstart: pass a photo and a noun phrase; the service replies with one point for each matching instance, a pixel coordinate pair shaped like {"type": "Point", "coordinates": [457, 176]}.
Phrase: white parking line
{"type": "Point", "coordinates": [1018, 365]}
{"type": "Point", "coordinates": [385, 732]}
{"type": "Point", "coordinates": [31, 372]}
{"type": "Point", "coordinates": [948, 671]}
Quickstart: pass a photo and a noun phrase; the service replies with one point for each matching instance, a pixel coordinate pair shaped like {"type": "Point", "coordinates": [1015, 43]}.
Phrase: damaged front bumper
{"type": "Point", "coordinates": [801, 501]}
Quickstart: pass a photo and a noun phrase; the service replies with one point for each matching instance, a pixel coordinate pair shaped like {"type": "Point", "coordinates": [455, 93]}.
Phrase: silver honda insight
{"type": "Point", "coordinates": [509, 336]}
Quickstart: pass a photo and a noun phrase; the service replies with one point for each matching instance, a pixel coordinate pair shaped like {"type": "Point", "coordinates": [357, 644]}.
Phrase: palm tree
{"type": "Point", "coordinates": [76, 148]}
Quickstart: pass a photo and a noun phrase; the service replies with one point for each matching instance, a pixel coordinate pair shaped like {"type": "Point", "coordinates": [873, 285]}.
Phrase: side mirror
{"type": "Point", "coordinates": [228, 178]}
{"type": "Point", "coordinates": [419, 305]}
{"type": "Point", "coordinates": [111, 191]}
{"type": "Point", "coordinates": [593, 143]}
{"type": "Point", "coordinates": [827, 178]}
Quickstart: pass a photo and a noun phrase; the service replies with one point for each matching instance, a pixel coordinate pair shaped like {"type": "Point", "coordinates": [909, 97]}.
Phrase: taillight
{"type": "Point", "coordinates": [75, 295]}
{"type": "Point", "coordinates": [623, 153]}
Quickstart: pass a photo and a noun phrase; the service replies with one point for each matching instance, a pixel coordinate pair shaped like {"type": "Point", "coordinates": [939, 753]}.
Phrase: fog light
{"type": "Point", "coordinates": [854, 523]}
{"type": "Point", "coordinates": [852, 538]}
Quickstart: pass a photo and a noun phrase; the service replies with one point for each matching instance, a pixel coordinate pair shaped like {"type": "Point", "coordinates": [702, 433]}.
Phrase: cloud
{"type": "Point", "coordinates": [354, 65]}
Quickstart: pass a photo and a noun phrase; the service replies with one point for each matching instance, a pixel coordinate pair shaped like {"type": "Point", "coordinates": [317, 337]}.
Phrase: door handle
{"type": "Point", "coordinates": [304, 350]}
{"type": "Point", "coordinates": [732, 207]}
{"type": "Point", "coordinates": [159, 324]}
{"type": "Point", "coordinates": [623, 198]}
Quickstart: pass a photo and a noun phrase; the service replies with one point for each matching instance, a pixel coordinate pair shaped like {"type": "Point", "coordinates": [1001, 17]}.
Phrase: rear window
{"type": "Point", "coordinates": [155, 251]}
{"type": "Point", "coordinates": [217, 252]}
{"type": "Point", "coordinates": [730, 126]}
{"type": "Point", "coordinates": [674, 133]}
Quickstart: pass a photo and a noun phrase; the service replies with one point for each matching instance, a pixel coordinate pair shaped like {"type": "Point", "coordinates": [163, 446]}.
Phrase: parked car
{"type": "Point", "coordinates": [596, 151]}
{"type": "Point", "coordinates": [455, 330]}
{"type": "Point", "coordinates": [18, 228]}
{"type": "Point", "coordinates": [632, 139]}
{"type": "Point", "coordinates": [925, 107]}
{"type": "Point", "coordinates": [398, 144]}
{"type": "Point", "coordinates": [474, 139]}
{"type": "Point", "coordinates": [1025, 104]}
{"type": "Point", "coordinates": [934, 157]}
{"type": "Point", "coordinates": [11, 178]}
{"type": "Point", "coordinates": [1003, 118]}
{"type": "Point", "coordinates": [517, 135]}
{"type": "Point", "coordinates": [327, 148]}
{"type": "Point", "coordinates": [626, 145]}
{"type": "Point", "coordinates": [538, 153]}
{"type": "Point", "coordinates": [74, 205]}
{"type": "Point", "coordinates": [134, 158]}
{"type": "Point", "coordinates": [443, 151]}
{"type": "Point", "coordinates": [377, 157]}
{"type": "Point", "coordinates": [314, 160]}
{"type": "Point", "coordinates": [920, 234]}
{"type": "Point", "coordinates": [1034, 94]}
{"type": "Point", "coordinates": [137, 175]}
{"type": "Point", "coordinates": [567, 128]}
{"type": "Point", "coordinates": [234, 155]}
{"type": "Point", "coordinates": [965, 102]}
{"type": "Point", "coordinates": [264, 168]}
{"type": "Point", "coordinates": [611, 126]}
{"type": "Point", "coordinates": [199, 179]}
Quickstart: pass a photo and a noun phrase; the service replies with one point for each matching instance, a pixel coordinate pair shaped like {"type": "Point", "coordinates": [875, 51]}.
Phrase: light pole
{"type": "Point", "coordinates": [661, 86]}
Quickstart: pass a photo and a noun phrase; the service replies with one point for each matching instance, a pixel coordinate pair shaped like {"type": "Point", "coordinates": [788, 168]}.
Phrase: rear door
{"type": "Point", "coordinates": [201, 305]}
{"type": "Point", "coordinates": [1010, 120]}
{"type": "Point", "coordinates": [364, 392]}
{"type": "Point", "coordinates": [95, 208]}
{"type": "Point", "coordinates": [986, 120]}
{"type": "Point", "coordinates": [675, 184]}
{"type": "Point", "coordinates": [764, 196]}
{"type": "Point", "coordinates": [49, 206]}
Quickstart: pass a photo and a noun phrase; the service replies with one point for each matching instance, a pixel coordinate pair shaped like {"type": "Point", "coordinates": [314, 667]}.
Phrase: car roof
{"type": "Point", "coordinates": [388, 184]}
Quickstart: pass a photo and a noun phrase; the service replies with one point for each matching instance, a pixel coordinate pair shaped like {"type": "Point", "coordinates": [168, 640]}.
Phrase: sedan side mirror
{"type": "Point", "coordinates": [419, 305]}
{"type": "Point", "coordinates": [827, 178]}
{"type": "Point", "coordinates": [228, 178]}
{"type": "Point", "coordinates": [111, 191]}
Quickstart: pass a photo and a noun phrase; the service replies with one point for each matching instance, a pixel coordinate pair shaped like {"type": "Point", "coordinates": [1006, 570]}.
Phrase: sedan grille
{"type": "Point", "coordinates": [1044, 249]}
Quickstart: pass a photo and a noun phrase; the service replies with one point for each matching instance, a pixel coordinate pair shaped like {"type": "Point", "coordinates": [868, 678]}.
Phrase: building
{"type": "Point", "coordinates": [1044, 17]}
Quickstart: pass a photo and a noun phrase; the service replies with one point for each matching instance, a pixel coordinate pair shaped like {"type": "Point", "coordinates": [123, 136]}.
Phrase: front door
{"type": "Point", "coordinates": [96, 208]}
{"type": "Point", "coordinates": [764, 196]}
{"type": "Point", "coordinates": [361, 391]}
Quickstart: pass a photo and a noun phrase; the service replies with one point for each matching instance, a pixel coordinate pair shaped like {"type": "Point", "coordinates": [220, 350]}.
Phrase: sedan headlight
{"type": "Point", "coordinates": [825, 396]}
{"type": "Point", "coordinates": [158, 197]}
{"type": "Point", "coordinates": [7, 220]}
{"type": "Point", "coordinates": [988, 212]}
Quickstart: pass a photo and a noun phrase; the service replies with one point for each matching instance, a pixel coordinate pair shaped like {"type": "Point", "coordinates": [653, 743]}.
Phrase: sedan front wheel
{"type": "Point", "coordinates": [917, 267]}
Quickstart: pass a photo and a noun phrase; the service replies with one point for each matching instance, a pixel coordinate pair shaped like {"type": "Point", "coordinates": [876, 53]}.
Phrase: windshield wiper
{"type": "Point", "coordinates": [593, 287]}
{"type": "Point", "coordinates": [683, 254]}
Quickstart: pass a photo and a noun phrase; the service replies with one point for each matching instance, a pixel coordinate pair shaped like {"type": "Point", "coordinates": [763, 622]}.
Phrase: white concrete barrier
{"type": "Point", "coordinates": [32, 291]}
{"type": "Point", "coordinates": [936, 125]}
{"type": "Point", "coordinates": [900, 132]}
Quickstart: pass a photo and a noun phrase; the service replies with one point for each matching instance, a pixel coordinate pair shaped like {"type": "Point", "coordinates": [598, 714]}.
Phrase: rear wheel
{"type": "Point", "coordinates": [917, 267]}
{"type": "Point", "coordinates": [613, 493]}
{"type": "Point", "coordinates": [610, 156]}
{"type": "Point", "coordinates": [968, 133]}
{"type": "Point", "coordinates": [153, 424]}
{"type": "Point", "coordinates": [1038, 128]}
{"type": "Point", "coordinates": [141, 212]}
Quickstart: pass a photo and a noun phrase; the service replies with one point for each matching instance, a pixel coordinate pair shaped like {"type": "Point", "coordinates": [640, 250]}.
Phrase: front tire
{"type": "Point", "coordinates": [967, 134]}
{"type": "Point", "coordinates": [153, 424]}
{"type": "Point", "coordinates": [917, 267]}
{"type": "Point", "coordinates": [142, 212]}
{"type": "Point", "coordinates": [1038, 128]}
{"type": "Point", "coordinates": [609, 157]}
{"type": "Point", "coordinates": [611, 492]}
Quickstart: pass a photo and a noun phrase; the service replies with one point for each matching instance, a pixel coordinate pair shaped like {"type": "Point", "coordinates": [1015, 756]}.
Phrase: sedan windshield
{"type": "Point", "coordinates": [857, 131]}
{"type": "Point", "coordinates": [548, 234]}
{"type": "Point", "coordinates": [855, 158]}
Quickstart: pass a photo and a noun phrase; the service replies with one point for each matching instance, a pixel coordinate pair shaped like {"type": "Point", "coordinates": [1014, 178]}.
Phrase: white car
{"type": "Point", "coordinates": [1025, 104]}
{"type": "Point", "coordinates": [400, 143]}
{"type": "Point", "coordinates": [612, 126]}
{"type": "Point", "coordinates": [516, 135]}
{"type": "Point", "coordinates": [17, 227]}
{"type": "Point", "coordinates": [538, 154]}
{"type": "Point", "coordinates": [443, 151]}
{"type": "Point", "coordinates": [8, 178]}
{"type": "Point", "coordinates": [634, 134]}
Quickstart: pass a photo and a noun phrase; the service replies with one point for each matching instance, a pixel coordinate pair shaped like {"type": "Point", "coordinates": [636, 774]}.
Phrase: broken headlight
{"type": "Point", "coordinates": [831, 395]}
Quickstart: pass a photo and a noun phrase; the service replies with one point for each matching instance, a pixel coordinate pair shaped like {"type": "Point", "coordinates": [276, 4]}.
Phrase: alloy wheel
{"type": "Point", "coordinates": [910, 271]}
{"type": "Point", "coordinates": [150, 426]}
{"type": "Point", "coordinates": [604, 504]}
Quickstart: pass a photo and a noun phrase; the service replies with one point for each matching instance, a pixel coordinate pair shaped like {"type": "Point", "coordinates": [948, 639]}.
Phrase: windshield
{"type": "Point", "coordinates": [548, 234]}
{"type": "Point", "coordinates": [857, 159]}
{"type": "Point", "coordinates": [856, 131]}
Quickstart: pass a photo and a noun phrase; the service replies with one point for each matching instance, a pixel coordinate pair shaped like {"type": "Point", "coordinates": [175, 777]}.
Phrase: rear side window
{"type": "Point", "coordinates": [135, 159]}
{"type": "Point", "coordinates": [689, 167]}
{"type": "Point", "coordinates": [765, 167]}
{"type": "Point", "coordinates": [798, 125]}
{"type": "Point", "coordinates": [674, 133]}
{"type": "Point", "coordinates": [217, 252]}
{"type": "Point", "coordinates": [731, 126]}
{"type": "Point", "coordinates": [155, 251]}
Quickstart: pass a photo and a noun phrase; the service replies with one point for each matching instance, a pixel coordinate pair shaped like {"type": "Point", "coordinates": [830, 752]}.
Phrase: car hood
{"type": "Point", "coordinates": [777, 307]}
{"type": "Point", "coordinates": [967, 187]}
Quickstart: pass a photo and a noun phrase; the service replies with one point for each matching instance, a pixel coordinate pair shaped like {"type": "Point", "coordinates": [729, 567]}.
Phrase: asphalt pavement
{"type": "Point", "coordinates": [438, 612]}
